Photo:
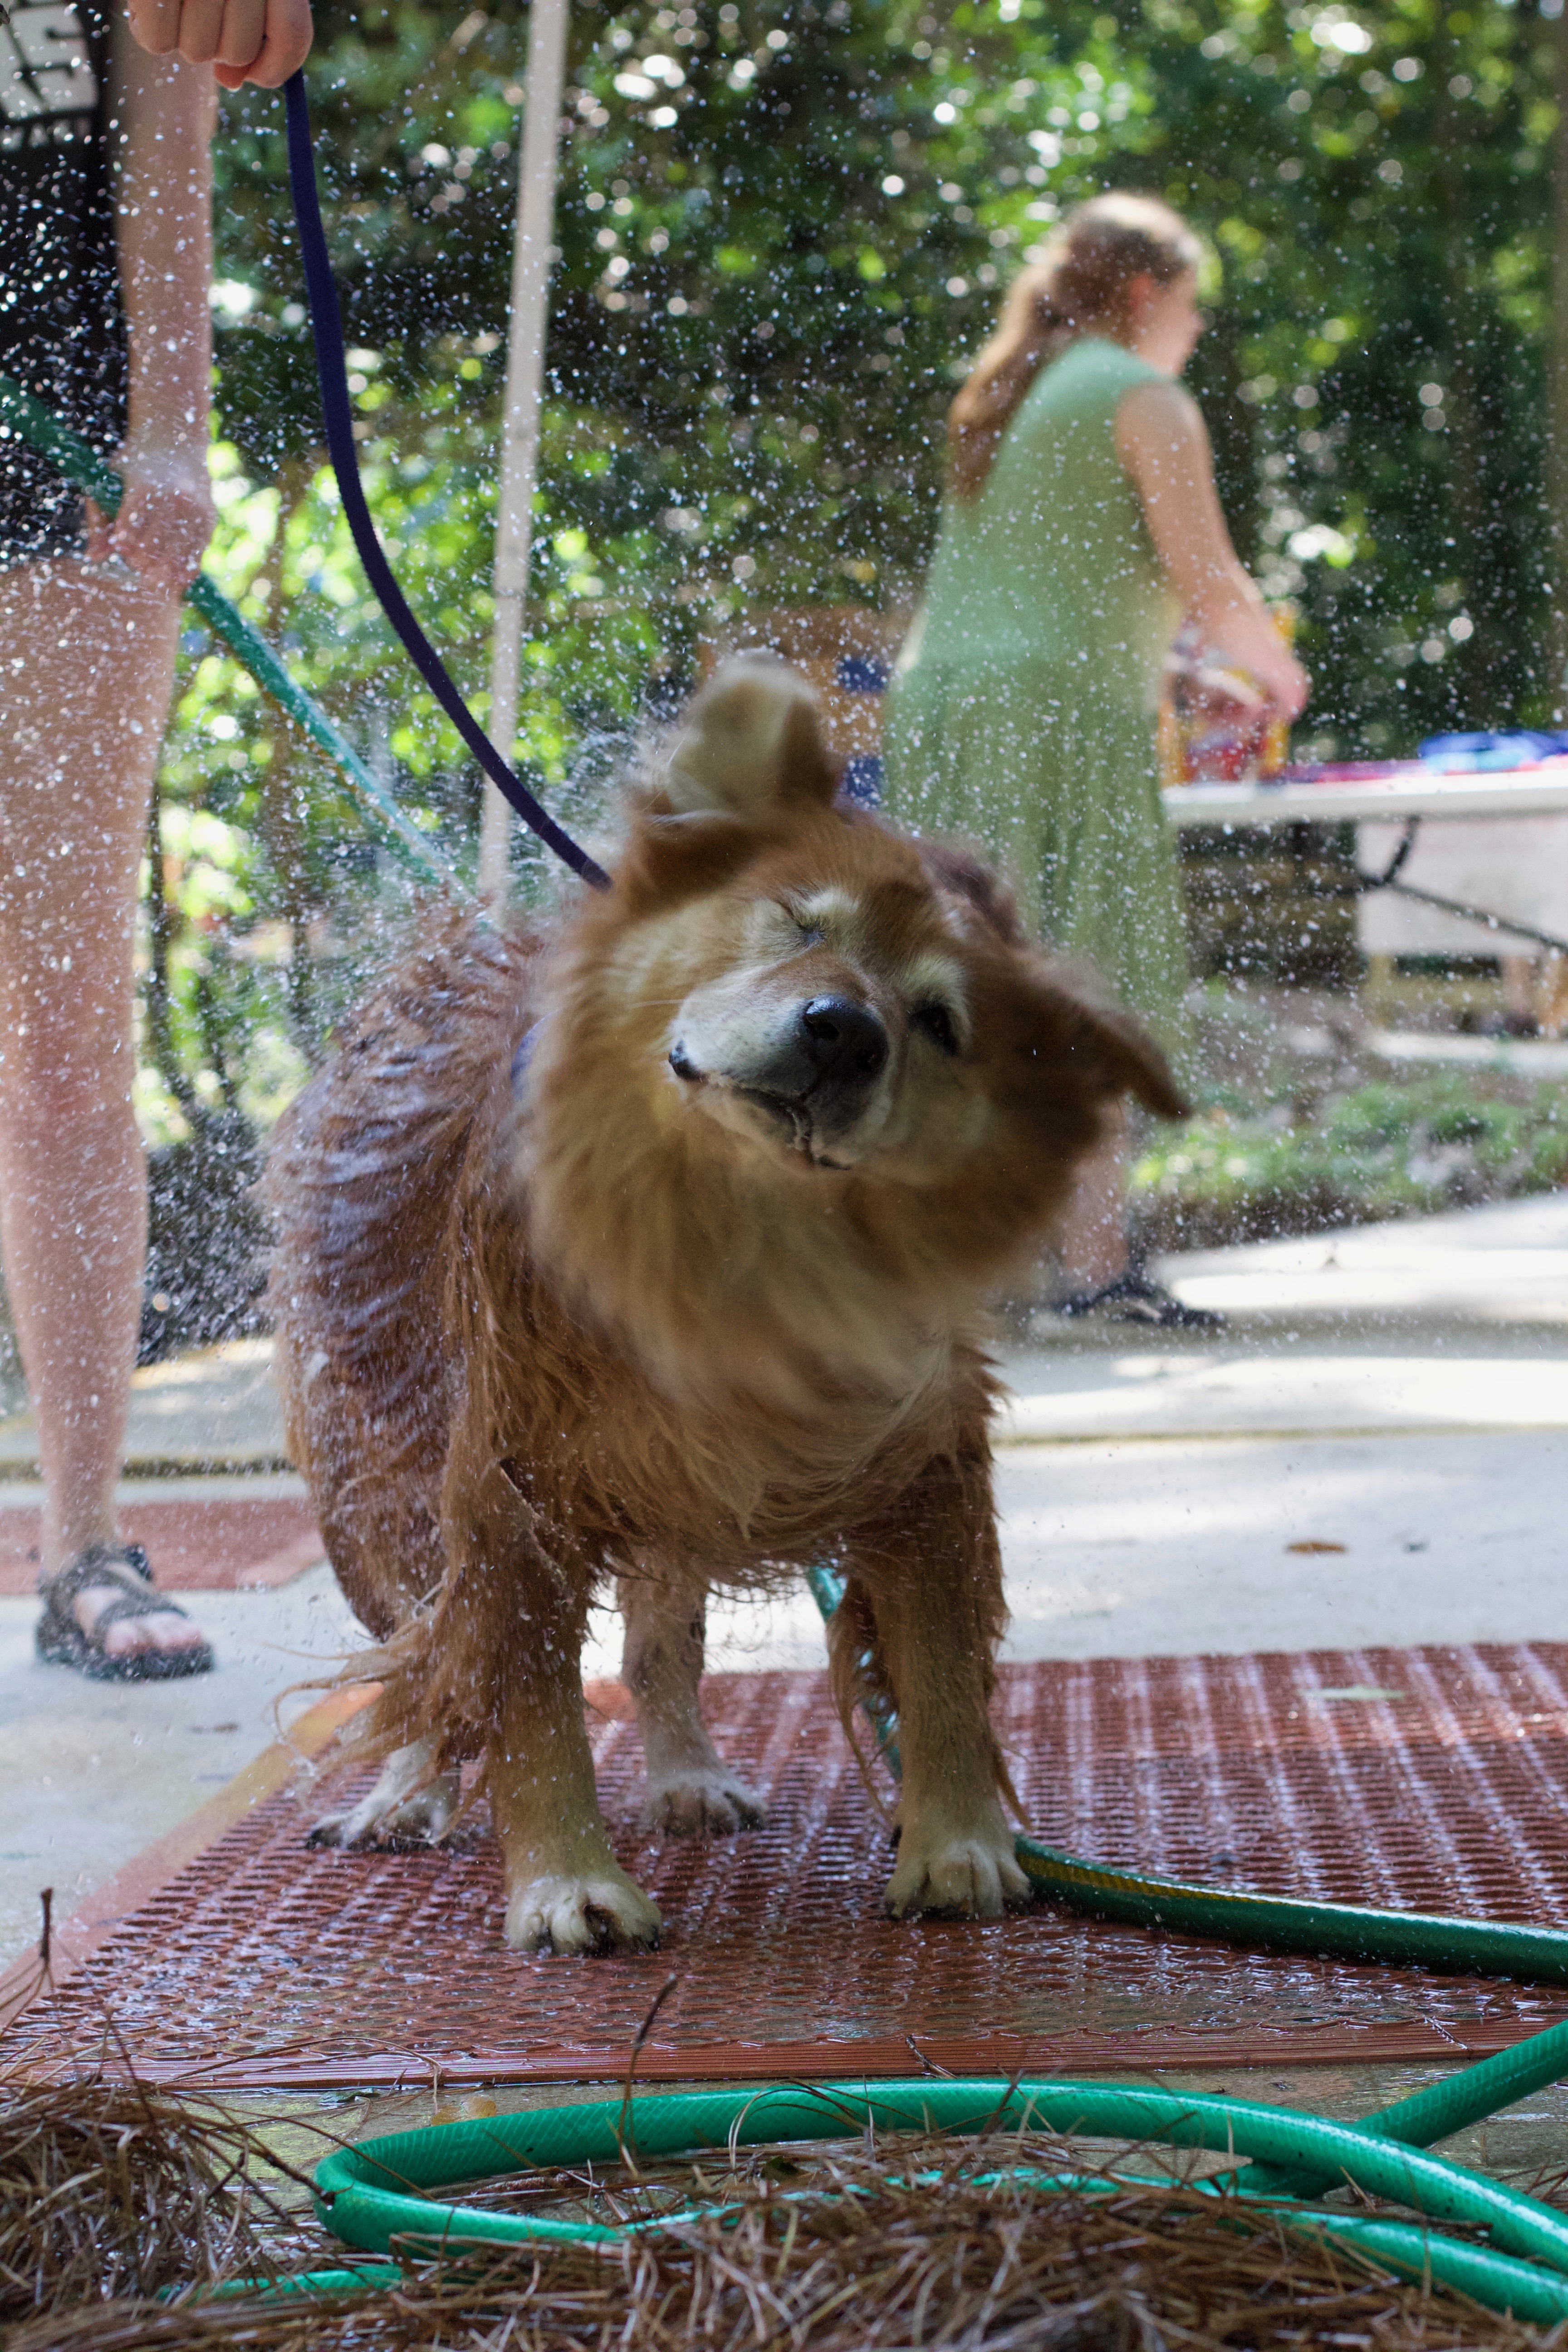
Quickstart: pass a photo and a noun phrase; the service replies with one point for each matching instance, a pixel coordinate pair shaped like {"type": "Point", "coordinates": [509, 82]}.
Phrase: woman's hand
{"type": "Point", "coordinates": [165, 522]}
{"type": "Point", "coordinates": [1281, 676]}
{"type": "Point", "coordinates": [1203, 689]}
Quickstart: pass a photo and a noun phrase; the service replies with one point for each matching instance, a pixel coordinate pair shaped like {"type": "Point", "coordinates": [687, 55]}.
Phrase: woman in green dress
{"type": "Point", "coordinates": [1081, 525]}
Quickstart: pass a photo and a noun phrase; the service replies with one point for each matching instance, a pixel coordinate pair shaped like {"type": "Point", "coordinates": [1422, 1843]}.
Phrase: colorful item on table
{"type": "Point", "coordinates": [1486, 753]}
{"type": "Point", "coordinates": [1482, 753]}
{"type": "Point", "coordinates": [1198, 742]}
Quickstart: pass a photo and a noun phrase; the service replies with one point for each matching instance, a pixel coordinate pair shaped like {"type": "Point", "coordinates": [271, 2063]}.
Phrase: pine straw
{"type": "Point", "coordinates": [843, 2251]}
{"type": "Point", "coordinates": [109, 2188]}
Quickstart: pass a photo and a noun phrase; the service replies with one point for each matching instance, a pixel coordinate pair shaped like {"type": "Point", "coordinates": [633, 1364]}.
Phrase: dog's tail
{"type": "Point", "coordinates": [863, 1695]}
{"type": "Point", "coordinates": [858, 1677]}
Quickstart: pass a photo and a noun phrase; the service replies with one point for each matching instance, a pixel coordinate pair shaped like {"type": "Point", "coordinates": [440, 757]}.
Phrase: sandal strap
{"type": "Point", "coordinates": [1084, 1302]}
{"type": "Point", "coordinates": [125, 1565]}
{"type": "Point", "coordinates": [1149, 1301]}
{"type": "Point", "coordinates": [141, 1603]}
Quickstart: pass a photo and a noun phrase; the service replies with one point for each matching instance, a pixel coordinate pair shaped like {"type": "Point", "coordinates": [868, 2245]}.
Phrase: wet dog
{"type": "Point", "coordinates": [651, 1245]}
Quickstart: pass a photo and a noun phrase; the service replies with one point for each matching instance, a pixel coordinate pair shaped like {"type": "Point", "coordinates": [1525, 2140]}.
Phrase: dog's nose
{"type": "Point", "coordinates": [844, 1041]}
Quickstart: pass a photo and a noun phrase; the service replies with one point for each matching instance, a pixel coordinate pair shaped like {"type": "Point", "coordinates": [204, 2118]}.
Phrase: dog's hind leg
{"type": "Point", "coordinates": [407, 1806]}
{"type": "Point", "coordinates": [691, 1792]}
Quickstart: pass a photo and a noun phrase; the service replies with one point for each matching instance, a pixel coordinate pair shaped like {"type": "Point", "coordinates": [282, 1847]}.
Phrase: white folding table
{"type": "Point", "coordinates": [1406, 797]}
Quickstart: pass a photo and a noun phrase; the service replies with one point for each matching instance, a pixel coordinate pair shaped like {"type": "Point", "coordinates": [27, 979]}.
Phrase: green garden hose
{"type": "Point", "coordinates": [1445, 2107]}
{"type": "Point", "coordinates": [31, 422]}
{"type": "Point", "coordinates": [1335, 1931]}
{"type": "Point", "coordinates": [375, 2195]}
{"type": "Point", "coordinates": [364, 2192]}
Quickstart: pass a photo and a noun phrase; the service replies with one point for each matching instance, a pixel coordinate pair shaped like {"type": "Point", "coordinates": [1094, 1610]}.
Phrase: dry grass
{"type": "Point", "coordinates": [110, 2189]}
{"type": "Point", "coordinates": [853, 2250]}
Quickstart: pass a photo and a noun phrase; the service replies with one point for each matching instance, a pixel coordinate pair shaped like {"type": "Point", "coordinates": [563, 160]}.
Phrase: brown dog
{"type": "Point", "coordinates": [652, 1245]}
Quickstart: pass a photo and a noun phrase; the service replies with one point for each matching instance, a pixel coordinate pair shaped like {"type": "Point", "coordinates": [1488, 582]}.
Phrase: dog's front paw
{"type": "Point", "coordinates": [704, 1801]}
{"type": "Point", "coordinates": [970, 1873]}
{"type": "Point", "coordinates": [600, 1910]}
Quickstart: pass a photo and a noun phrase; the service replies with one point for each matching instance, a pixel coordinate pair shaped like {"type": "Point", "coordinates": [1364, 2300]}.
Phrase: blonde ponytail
{"type": "Point", "coordinates": [1078, 286]}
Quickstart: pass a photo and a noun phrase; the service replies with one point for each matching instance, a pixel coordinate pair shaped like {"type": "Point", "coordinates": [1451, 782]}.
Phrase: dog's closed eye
{"type": "Point", "coordinates": [936, 1021]}
{"type": "Point", "coordinates": [806, 919]}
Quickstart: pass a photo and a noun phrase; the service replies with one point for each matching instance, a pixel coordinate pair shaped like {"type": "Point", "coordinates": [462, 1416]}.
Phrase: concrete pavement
{"type": "Point", "coordinates": [95, 1771]}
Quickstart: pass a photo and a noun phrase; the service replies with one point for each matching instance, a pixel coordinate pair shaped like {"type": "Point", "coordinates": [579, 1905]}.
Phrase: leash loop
{"type": "Point", "coordinates": [331, 371]}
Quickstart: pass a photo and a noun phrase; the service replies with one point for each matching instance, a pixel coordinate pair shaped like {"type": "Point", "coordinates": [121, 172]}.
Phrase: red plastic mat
{"type": "Point", "coordinates": [1432, 1779]}
{"type": "Point", "coordinates": [220, 1543]}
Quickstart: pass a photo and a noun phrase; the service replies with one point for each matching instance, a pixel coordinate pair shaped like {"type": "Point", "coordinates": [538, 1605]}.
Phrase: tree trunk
{"type": "Point", "coordinates": [281, 829]}
{"type": "Point", "coordinates": [1466, 422]}
{"type": "Point", "coordinates": [1557, 390]}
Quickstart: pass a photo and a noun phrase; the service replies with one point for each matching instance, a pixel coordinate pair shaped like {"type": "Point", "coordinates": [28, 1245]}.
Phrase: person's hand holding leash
{"type": "Point", "coordinates": [263, 41]}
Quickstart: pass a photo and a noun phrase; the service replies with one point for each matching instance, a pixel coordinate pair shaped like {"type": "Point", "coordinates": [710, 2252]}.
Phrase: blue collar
{"type": "Point", "coordinates": [522, 1058]}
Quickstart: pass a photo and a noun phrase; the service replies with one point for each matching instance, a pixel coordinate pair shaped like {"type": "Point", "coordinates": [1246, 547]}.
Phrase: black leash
{"type": "Point", "coordinates": [327, 330]}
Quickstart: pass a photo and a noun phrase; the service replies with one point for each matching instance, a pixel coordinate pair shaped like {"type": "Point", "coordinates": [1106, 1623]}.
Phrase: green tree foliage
{"type": "Point", "coordinates": [784, 230]}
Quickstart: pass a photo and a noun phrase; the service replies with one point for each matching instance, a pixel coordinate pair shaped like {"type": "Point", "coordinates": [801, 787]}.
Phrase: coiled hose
{"type": "Point", "coordinates": [378, 2190]}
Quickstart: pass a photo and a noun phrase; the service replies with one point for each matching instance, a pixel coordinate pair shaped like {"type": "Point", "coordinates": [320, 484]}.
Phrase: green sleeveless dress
{"type": "Point", "coordinates": [1022, 711]}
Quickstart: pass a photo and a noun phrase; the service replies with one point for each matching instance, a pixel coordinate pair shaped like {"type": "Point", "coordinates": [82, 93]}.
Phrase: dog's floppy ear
{"type": "Point", "coordinates": [1139, 1067]}
{"type": "Point", "coordinates": [1134, 1065]}
{"type": "Point", "coordinates": [752, 745]}
{"type": "Point", "coordinates": [1073, 1014]}
{"type": "Point", "coordinates": [963, 874]}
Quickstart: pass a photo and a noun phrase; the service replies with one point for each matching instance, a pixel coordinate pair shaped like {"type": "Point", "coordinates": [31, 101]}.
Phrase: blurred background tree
{"type": "Point", "coordinates": [783, 231]}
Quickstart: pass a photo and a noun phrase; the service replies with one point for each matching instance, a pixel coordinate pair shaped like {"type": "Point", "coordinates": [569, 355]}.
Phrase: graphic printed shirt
{"type": "Point", "coordinates": [62, 330]}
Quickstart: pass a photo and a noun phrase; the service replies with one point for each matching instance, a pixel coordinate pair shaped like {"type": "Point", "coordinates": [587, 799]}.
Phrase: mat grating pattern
{"type": "Point", "coordinates": [262, 1963]}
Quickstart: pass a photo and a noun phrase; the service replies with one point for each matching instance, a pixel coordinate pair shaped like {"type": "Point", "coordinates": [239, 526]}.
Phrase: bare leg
{"type": "Point", "coordinates": [86, 670]}
{"type": "Point", "coordinates": [1519, 988]}
{"type": "Point", "coordinates": [1092, 1239]}
{"type": "Point", "coordinates": [931, 1584]}
{"type": "Point", "coordinates": [691, 1792]}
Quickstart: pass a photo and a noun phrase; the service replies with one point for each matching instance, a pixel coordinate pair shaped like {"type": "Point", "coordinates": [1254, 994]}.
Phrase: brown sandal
{"type": "Point", "coordinates": [61, 1641]}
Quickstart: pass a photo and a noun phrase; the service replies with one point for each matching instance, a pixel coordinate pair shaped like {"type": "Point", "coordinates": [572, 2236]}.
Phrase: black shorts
{"type": "Point", "coordinates": [62, 326]}
{"type": "Point", "coordinates": [40, 515]}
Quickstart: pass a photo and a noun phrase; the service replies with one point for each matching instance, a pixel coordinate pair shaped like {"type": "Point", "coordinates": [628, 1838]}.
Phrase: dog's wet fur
{"type": "Point", "coordinates": [650, 1245]}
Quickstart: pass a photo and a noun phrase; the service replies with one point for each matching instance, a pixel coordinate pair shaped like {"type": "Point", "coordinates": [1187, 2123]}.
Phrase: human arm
{"type": "Point", "coordinates": [263, 41]}
{"type": "Point", "coordinates": [162, 190]}
{"type": "Point", "coordinates": [1162, 441]}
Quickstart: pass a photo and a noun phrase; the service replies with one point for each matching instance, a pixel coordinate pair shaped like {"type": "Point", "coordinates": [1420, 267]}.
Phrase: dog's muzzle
{"type": "Point", "coordinates": [817, 1075]}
